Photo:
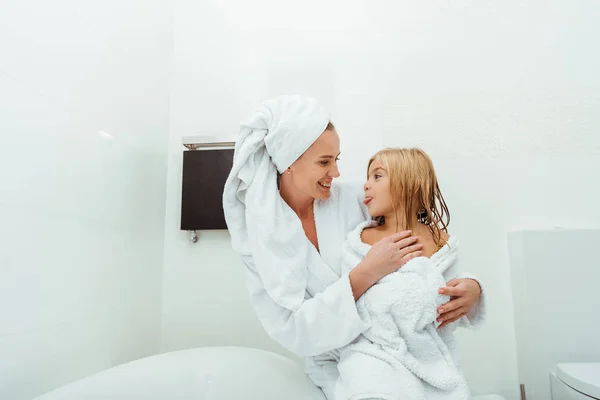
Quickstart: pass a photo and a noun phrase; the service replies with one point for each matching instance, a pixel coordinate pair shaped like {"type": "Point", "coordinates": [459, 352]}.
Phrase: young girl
{"type": "Point", "coordinates": [404, 354]}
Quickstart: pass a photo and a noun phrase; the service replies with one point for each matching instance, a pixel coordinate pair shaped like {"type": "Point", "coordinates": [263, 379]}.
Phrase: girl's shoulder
{"type": "Point", "coordinates": [370, 234]}
{"type": "Point", "coordinates": [425, 238]}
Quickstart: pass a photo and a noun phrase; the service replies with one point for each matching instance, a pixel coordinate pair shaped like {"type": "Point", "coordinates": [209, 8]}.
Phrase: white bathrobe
{"type": "Point", "coordinates": [403, 354]}
{"type": "Point", "coordinates": [328, 318]}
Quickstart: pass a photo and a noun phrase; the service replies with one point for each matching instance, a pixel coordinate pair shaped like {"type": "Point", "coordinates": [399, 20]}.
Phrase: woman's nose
{"type": "Point", "coordinates": [366, 186]}
{"type": "Point", "coordinates": [334, 172]}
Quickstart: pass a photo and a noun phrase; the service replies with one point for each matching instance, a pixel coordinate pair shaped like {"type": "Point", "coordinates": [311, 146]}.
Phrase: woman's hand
{"type": "Point", "coordinates": [463, 293]}
{"type": "Point", "coordinates": [390, 254]}
{"type": "Point", "coordinates": [384, 257]}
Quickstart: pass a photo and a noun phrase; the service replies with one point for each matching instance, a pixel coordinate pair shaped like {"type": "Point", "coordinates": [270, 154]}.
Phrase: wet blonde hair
{"type": "Point", "coordinates": [414, 189]}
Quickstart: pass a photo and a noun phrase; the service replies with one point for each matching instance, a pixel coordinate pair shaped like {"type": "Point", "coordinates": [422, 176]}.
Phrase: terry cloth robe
{"type": "Point", "coordinates": [403, 354]}
{"type": "Point", "coordinates": [328, 318]}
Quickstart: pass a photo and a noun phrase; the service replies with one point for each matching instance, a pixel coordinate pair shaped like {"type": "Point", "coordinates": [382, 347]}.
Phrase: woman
{"type": "Point", "coordinates": [288, 219]}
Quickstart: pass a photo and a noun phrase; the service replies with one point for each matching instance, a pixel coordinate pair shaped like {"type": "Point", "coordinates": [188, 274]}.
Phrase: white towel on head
{"type": "Point", "coordinates": [260, 222]}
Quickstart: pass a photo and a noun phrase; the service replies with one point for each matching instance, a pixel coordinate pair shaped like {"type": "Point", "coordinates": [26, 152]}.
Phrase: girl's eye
{"type": "Point", "coordinates": [377, 176]}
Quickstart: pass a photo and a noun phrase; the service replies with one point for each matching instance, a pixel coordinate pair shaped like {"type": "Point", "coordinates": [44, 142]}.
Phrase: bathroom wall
{"type": "Point", "coordinates": [554, 326]}
{"type": "Point", "coordinates": [84, 90]}
{"type": "Point", "coordinates": [503, 96]}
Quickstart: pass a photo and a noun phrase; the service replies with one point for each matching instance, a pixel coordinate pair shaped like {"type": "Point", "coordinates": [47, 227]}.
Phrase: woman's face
{"type": "Point", "coordinates": [377, 191]}
{"type": "Point", "coordinates": [314, 171]}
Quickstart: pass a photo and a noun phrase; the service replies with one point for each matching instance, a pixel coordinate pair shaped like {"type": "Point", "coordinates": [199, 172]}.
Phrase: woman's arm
{"type": "Point", "coordinates": [330, 319]}
{"type": "Point", "coordinates": [360, 281]}
{"type": "Point", "coordinates": [323, 323]}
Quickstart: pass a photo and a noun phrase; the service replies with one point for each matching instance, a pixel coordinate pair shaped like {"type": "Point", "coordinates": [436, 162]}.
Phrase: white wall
{"type": "Point", "coordinates": [553, 328]}
{"type": "Point", "coordinates": [503, 96]}
{"type": "Point", "coordinates": [83, 132]}
{"type": "Point", "coordinates": [510, 116]}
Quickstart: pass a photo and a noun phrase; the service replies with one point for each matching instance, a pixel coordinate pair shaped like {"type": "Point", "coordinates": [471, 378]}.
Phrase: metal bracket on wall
{"type": "Point", "coordinates": [193, 236]}
{"type": "Point", "coordinates": [206, 142]}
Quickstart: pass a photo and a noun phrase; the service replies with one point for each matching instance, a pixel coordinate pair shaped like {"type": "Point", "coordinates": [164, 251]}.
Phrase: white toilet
{"type": "Point", "coordinates": [576, 381]}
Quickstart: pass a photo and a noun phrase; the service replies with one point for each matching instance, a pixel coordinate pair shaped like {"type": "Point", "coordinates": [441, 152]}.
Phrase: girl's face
{"type": "Point", "coordinates": [377, 191]}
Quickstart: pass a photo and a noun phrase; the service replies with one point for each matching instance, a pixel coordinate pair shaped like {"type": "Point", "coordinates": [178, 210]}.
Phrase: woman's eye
{"type": "Point", "coordinates": [326, 162]}
{"type": "Point", "coordinates": [377, 176]}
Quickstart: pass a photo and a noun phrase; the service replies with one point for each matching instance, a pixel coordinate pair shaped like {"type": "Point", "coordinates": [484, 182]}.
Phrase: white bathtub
{"type": "Point", "coordinates": [208, 373]}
